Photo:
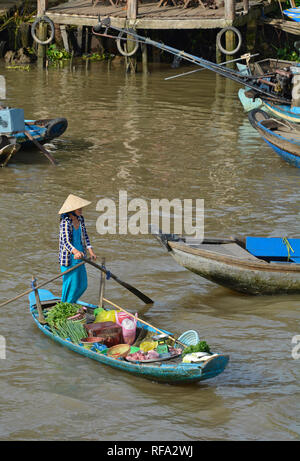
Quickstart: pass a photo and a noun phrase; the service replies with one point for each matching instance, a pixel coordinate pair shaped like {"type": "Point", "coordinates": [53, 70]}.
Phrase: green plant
{"type": "Point", "coordinates": [59, 313]}
{"type": "Point", "coordinates": [56, 54]}
{"type": "Point", "coordinates": [22, 15]}
{"type": "Point", "coordinates": [286, 53]}
{"type": "Point", "coordinates": [202, 346]}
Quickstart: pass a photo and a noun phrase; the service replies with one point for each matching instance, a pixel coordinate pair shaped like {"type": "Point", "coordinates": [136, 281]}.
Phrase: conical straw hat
{"type": "Point", "coordinates": [73, 203]}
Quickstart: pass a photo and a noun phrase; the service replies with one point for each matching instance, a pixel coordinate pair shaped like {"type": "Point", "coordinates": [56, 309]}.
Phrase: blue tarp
{"type": "Point", "coordinates": [274, 247]}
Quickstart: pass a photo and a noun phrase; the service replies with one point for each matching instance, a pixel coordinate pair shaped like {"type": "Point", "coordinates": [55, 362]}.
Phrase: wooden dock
{"type": "Point", "coordinates": [151, 16]}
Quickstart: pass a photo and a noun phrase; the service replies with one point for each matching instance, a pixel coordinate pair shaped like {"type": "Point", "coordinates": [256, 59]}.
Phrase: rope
{"type": "Point", "coordinates": [288, 246]}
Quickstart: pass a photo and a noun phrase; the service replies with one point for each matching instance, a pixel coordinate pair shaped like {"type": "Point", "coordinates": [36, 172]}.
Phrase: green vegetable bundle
{"type": "Point", "coordinates": [69, 329]}
{"type": "Point", "coordinates": [202, 346]}
{"type": "Point", "coordinates": [60, 312]}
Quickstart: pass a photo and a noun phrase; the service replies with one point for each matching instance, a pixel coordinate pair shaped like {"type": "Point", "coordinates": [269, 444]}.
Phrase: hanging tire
{"type": "Point", "coordinates": [221, 33]}
{"type": "Point", "coordinates": [119, 46]}
{"type": "Point", "coordinates": [55, 128]}
{"type": "Point", "coordinates": [33, 27]}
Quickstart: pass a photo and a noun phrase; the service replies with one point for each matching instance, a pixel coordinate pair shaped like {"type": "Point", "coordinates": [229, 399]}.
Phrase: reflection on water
{"type": "Point", "coordinates": [185, 138]}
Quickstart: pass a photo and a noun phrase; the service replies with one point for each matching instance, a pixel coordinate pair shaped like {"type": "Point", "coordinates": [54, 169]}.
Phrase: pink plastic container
{"type": "Point", "coordinates": [120, 316]}
{"type": "Point", "coordinates": [129, 330]}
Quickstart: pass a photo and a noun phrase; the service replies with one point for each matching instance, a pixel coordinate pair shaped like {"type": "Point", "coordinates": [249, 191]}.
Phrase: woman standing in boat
{"type": "Point", "coordinates": [73, 246]}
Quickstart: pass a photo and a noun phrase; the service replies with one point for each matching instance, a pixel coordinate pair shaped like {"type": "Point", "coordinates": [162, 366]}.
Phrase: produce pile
{"type": "Point", "coordinates": [57, 318]}
{"type": "Point", "coordinates": [202, 346]}
{"type": "Point", "coordinates": [60, 313]}
{"type": "Point", "coordinates": [151, 355]}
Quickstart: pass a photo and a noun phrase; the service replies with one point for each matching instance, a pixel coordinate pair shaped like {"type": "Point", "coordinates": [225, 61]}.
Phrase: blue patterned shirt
{"type": "Point", "coordinates": [65, 239]}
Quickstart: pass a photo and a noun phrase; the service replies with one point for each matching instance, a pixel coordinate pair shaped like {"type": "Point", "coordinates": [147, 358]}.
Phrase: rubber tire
{"type": "Point", "coordinates": [252, 116]}
{"type": "Point", "coordinates": [219, 36]}
{"type": "Point", "coordinates": [121, 50]}
{"type": "Point", "coordinates": [33, 27]}
{"type": "Point", "coordinates": [50, 133]}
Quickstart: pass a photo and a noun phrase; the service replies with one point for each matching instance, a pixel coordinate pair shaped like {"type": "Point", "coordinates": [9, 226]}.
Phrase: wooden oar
{"type": "Point", "coordinates": [126, 285]}
{"type": "Point", "coordinates": [48, 155]}
{"type": "Point", "coordinates": [41, 284]}
{"type": "Point", "coordinates": [143, 321]}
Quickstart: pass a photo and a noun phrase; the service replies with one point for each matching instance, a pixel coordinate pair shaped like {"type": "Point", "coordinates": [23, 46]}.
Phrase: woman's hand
{"type": "Point", "coordinates": [92, 254]}
{"type": "Point", "coordinates": [77, 254]}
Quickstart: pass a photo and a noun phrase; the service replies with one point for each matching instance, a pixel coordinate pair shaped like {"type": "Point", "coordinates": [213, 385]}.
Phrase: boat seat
{"type": "Point", "coordinates": [226, 249]}
{"type": "Point", "coordinates": [274, 247]}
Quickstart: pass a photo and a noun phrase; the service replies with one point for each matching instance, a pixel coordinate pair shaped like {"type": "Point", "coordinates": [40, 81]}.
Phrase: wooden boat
{"type": "Point", "coordinates": [171, 371]}
{"type": "Point", "coordinates": [282, 136]}
{"type": "Point", "coordinates": [254, 265]}
{"type": "Point", "coordinates": [6, 152]}
{"type": "Point", "coordinates": [43, 131]}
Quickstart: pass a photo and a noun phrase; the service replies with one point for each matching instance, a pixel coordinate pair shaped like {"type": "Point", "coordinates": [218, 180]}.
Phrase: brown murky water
{"type": "Point", "coordinates": [186, 138]}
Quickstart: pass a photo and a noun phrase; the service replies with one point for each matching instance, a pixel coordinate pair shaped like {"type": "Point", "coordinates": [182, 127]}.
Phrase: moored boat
{"type": "Point", "coordinates": [16, 129]}
{"type": "Point", "coordinates": [282, 136]}
{"type": "Point", "coordinates": [263, 68]}
{"type": "Point", "coordinates": [168, 369]}
{"type": "Point", "coordinates": [254, 265]}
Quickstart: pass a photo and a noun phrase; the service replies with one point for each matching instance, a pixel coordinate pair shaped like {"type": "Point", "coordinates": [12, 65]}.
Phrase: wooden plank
{"type": "Point", "coordinates": [141, 23]}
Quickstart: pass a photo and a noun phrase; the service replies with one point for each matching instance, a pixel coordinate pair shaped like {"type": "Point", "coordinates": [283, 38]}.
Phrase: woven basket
{"type": "Point", "coordinates": [190, 338]}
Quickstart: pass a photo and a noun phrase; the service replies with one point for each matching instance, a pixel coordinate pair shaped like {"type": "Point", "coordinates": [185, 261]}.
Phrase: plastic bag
{"type": "Point", "coordinates": [105, 316]}
{"type": "Point", "coordinates": [147, 346]}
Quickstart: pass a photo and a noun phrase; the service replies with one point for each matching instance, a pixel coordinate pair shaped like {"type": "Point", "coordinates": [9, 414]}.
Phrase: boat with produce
{"type": "Point", "coordinates": [253, 265]}
{"type": "Point", "coordinates": [15, 129]}
{"type": "Point", "coordinates": [282, 136]}
{"type": "Point", "coordinates": [136, 347]}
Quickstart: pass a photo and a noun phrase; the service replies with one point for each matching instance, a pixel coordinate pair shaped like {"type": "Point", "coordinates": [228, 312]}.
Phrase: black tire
{"type": "Point", "coordinates": [33, 27]}
{"type": "Point", "coordinates": [219, 36]}
{"type": "Point", "coordinates": [257, 115]}
{"type": "Point", "coordinates": [55, 128]}
{"type": "Point", "coordinates": [119, 46]}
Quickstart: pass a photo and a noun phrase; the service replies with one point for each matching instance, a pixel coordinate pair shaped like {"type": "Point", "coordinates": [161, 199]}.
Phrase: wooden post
{"type": "Point", "coordinates": [132, 11]}
{"type": "Point", "coordinates": [102, 285]}
{"type": "Point", "coordinates": [38, 302]}
{"type": "Point", "coordinates": [230, 38]}
{"type": "Point", "coordinates": [64, 36]}
{"type": "Point", "coordinates": [230, 10]}
{"type": "Point", "coordinates": [246, 6]}
{"type": "Point", "coordinates": [144, 58]}
{"type": "Point", "coordinates": [42, 6]}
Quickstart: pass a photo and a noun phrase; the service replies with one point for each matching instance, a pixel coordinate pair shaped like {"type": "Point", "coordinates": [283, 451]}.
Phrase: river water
{"type": "Point", "coordinates": [183, 138]}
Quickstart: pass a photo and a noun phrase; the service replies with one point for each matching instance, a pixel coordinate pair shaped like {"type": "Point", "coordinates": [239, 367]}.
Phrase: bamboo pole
{"type": "Point", "coordinates": [102, 285]}
{"type": "Point", "coordinates": [42, 284]}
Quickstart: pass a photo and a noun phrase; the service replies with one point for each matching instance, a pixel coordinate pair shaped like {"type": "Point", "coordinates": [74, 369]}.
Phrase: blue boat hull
{"type": "Point", "coordinates": [287, 156]}
{"type": "Point", "coordinates": [163, 372]}
{"type": "Point", "coordinates": [283, 138]}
